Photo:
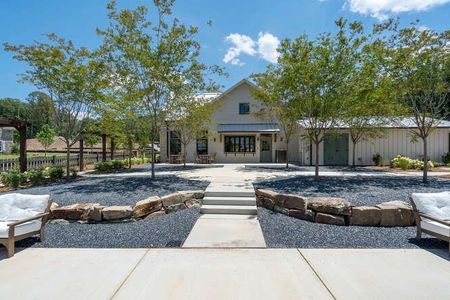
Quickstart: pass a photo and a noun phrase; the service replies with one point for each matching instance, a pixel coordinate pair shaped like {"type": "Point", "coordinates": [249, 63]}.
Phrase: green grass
{"type": "Point", "coordinates": [30, 154]}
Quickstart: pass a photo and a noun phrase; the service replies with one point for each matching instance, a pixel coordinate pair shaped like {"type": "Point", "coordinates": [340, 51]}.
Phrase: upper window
{"type": "Point", "coordinates": [244, 108]}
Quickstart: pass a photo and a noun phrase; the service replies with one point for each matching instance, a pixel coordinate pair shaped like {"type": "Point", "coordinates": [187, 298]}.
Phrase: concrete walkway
{"type": "Point", "coordinates": [224, 274]}
{"type": "Point", "coordinates": [229, 217]}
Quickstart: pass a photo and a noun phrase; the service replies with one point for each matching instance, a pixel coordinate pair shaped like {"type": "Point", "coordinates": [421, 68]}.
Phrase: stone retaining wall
{"type": "Point", "coordinates": [148, 208]}
{"type": "Point", "coordinates": [336, 211]}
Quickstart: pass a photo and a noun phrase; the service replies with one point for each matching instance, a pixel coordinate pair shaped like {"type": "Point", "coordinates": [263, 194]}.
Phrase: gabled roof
{"type": "Point", "coordinates": [241, 82]}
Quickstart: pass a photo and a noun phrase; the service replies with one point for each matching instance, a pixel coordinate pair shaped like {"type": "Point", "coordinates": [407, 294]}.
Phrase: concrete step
{"type": "Point", "coordinates": [229, 201]}
{"type": "Point", "coordinates": [229, 209]}
{"type": "Point", "coordinates": [231, 193]}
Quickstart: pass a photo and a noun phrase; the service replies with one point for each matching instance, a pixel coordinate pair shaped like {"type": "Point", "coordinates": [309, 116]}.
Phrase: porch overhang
{"type": "Point", "coordinates": [256, 128]}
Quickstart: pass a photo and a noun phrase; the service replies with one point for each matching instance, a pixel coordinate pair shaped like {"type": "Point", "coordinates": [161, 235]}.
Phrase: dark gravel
{"type": "Point", "coordinates": [281, 231]}
{"type": "Point", "coordinates": [169, 231]}
{"type": "Point", "coordinates": [114, 190]}
{"type": "Point", "coordinates": [359, 190]}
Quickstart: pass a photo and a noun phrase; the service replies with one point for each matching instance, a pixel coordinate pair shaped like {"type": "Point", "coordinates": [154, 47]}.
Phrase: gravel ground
{"type": "Point", "coordinates": [281, 231]}
{"type": "Point", "coordinates": [359, 190]}
{"type": "Point", "coordinates": [114, 190]}
{"type": "Point", "coordinates": [168, 231]}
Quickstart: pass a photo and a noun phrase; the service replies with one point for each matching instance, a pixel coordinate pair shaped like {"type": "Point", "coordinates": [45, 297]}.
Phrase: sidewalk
{"type": "Point", "coordinates": [224, 274]}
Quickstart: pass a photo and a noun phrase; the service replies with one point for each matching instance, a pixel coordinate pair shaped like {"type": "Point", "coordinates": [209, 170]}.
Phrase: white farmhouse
{"type": "Point", "coordinates": [237, 135]}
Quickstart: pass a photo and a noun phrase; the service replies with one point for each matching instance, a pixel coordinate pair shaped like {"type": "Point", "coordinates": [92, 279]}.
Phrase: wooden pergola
{"type": "Point", "coordinates": [21, 126]}
{"type": "Point", "coordinates": [103, 136]}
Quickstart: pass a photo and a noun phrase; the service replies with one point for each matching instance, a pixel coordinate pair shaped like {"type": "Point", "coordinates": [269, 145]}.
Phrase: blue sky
{"type": "Point", "coordinates": [243, 37]}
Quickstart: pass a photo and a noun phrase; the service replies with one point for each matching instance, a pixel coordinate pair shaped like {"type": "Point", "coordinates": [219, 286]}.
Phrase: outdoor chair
{"type": "Point", "coordinates": [22, 216]}
{"type": "Point", "coordinates": [212, 158]}
{"type": "Point", "coordinates": [198, 160]}
{"type": "Point", "coordinates": [432, 214]}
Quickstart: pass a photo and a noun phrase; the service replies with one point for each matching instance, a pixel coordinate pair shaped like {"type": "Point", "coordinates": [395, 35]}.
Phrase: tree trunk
{"type": "Point", "coordinates": [68, 162]}
{"type": "Point", "coordinates": [130, 152]}
{"type": "Point", "coordinates": [184, 156]}
{"type": "Point", "coordinates": [425, 160]}
{"type": "Point", "coordinates": [153, 145]}
{"type": "Point", "coordinates": [353, 155]}
{"type": "Point", "coordinates": [287, 154]}
{"type": "Point", "coordinates": [316, 168]}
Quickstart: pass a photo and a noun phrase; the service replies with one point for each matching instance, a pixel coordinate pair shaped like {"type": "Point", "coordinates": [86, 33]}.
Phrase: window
{"type": "Point", "coordinates": [175, 143]}
{"type": "Point", "coordinates": [244, 108]}
{"type": "Point", "coordinates": [202, 144]}
{"type": "Point", "coordinates": [239, 144]}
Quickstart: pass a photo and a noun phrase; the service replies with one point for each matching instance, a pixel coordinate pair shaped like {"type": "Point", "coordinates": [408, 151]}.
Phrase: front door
{"type": "Point", "coordinates": [266, 148]}
{"type": "Point", "coordinates": [335, 150]}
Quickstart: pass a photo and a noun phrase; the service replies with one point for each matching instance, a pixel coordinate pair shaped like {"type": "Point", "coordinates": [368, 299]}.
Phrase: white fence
{"type": "Point", "coordinates": [53, 160]}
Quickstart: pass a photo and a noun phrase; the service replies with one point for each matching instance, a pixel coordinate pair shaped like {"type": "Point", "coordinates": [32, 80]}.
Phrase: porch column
{"type": "Point", "coordinates": [113, 146]}
{"type": "Point", "coordinates": [81, 153]}
{"type": "Point", "coordinates": [23, 148]}
{"type": "Point", "coordinates": [103, 147]}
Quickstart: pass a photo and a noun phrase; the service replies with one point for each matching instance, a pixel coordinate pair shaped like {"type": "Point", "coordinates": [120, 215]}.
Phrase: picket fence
{"type": "Point", "coordinates": [53, 160]}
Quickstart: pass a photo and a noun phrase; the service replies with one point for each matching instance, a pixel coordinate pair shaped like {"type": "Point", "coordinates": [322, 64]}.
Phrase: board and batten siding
{"type": "Point", "coordinates": [394, 142]}
{"type": "Point", "coordinates": [399, 141]}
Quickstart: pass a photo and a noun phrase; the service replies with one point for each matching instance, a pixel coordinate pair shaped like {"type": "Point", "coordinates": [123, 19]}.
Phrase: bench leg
{"type": "Point", "coordinates": [419, 234]}
{"type": "Point", "coordinates": [10, 248]}
{"type": "Point", "coordinates": [41, 234]}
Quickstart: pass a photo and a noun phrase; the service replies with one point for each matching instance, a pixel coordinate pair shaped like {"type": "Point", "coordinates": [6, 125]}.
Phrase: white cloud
{"type": "Point", "coordinates": [265, 47]}
{"type": "Point", "coordinates": [382, 9]}
{"type": "Point", "coordinates": [241, 44]}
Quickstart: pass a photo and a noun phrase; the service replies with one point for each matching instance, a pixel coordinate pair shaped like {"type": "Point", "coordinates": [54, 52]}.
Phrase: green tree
{"type": "Point", "coordinates": [70, 76]}
{"type": "Point", "coordinates": [151, 59]}
{"type": "Point", "coordinates": [46, 137]}
{"type": "Point", "coordinates": [190, 117]}
{"type": "Point", "coordinates": [41, 111]}
{"type": "Point", "coordinates": [272, 92]}
{"type": "Point", "coordinates": [317, 77]}
{"type": "Point", "coordinates": [418, 61]}
{"type": "Point", "coordinates": [91, 140]}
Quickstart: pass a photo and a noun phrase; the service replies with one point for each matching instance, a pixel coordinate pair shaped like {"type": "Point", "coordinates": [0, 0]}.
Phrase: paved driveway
{"type": "Point", "coordinates": [224, 274]}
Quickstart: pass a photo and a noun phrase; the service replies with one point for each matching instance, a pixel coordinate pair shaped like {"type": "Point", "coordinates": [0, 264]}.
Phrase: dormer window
{"type": "Point", "coordinates": [244, 108]}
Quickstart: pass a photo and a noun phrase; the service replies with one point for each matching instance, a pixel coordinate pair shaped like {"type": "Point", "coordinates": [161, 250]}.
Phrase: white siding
{"type": "Point", "coordinates": [393, 143]}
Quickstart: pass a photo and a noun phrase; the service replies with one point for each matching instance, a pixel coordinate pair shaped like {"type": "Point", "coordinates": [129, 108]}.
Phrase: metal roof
{"type": "Point", "coordinates": [395, 123]}
{"type": "Point", "coordinates": [261, 127]}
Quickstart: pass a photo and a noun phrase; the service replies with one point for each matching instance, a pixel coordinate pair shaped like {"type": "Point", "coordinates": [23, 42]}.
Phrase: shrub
{"type": "Point", "coordinates": [12, 178]}
{"type": "Point", "coordinates": [36, 176]}
{"type": "Point", "coordinates": [446, 158]}
{"type": "Point", "coordinates": [56, 172]}
{"type": "Point", "coordinates": [378, 160]}
{"type": "Point", "coordinates": [405, 163]}
{"type": "Point", "coordinates": [117, 164]}
{"type": "Point", "coordinates": [103, 166]}
{"type": "Point", "coordinates": [15, 149]}
{"type": "Point", "coordinates": [73, 173]}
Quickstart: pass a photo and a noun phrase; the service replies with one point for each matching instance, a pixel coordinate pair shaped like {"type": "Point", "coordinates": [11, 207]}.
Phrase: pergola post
{"type": "Point", "coordinates": [23, 148]}
{"type": "Point", "coordinates": [81, 153]}
{"type": "Point", "coordinates": [103, 147]}
{"type": "Point", "coordinates": [113, 146]}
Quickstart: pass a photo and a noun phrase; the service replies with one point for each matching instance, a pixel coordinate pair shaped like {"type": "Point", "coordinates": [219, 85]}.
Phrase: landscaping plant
{"type": "Point", "coordinates": [378, 160]}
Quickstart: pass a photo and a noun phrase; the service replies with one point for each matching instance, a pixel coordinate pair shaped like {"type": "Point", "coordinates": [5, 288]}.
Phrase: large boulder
{"type": "Point", "coordinates": [281, 210]}
{"type": "Point", "coordinates": [181, 197]}
{"type": "Point", "coordinates": [193, 203]}
{"type": "Point", "coordinates": [330, 219]}
{"type": "Point", "coordinates": [307, 215]}
{"type": "Point", "coordinates": [79, 211]}
{"type": "Point", "coordinates": [291, 201]}
{"type": "Point", "coordinates": [156, 214]}
{"type": "Point", "coordinates": [396, 213]}
{"type": "Point", "coordinates": [265, 198]}
{"type": "Point", "coordinates": [175, 207]}
{"type": "Point", "coordinates": [147, 206]}
{"type": "Point", "coordinates": [330, 205]}
{"type": "Point", "coordinates": [266, 193]}
{"type": "Point", "coordinates": [117, 212]}
{"type": "Point", "coordinates": [366, 216]}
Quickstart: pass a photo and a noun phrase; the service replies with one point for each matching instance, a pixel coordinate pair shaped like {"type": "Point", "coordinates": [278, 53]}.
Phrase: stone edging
{"type": "Point", "coordinates": [336, 211]}
{"type": "Point", "coordinates": [148, 208]}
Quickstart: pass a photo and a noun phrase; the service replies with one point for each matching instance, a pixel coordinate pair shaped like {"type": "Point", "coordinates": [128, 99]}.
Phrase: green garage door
{"type": "Point", "coordinates": [335, 150]}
